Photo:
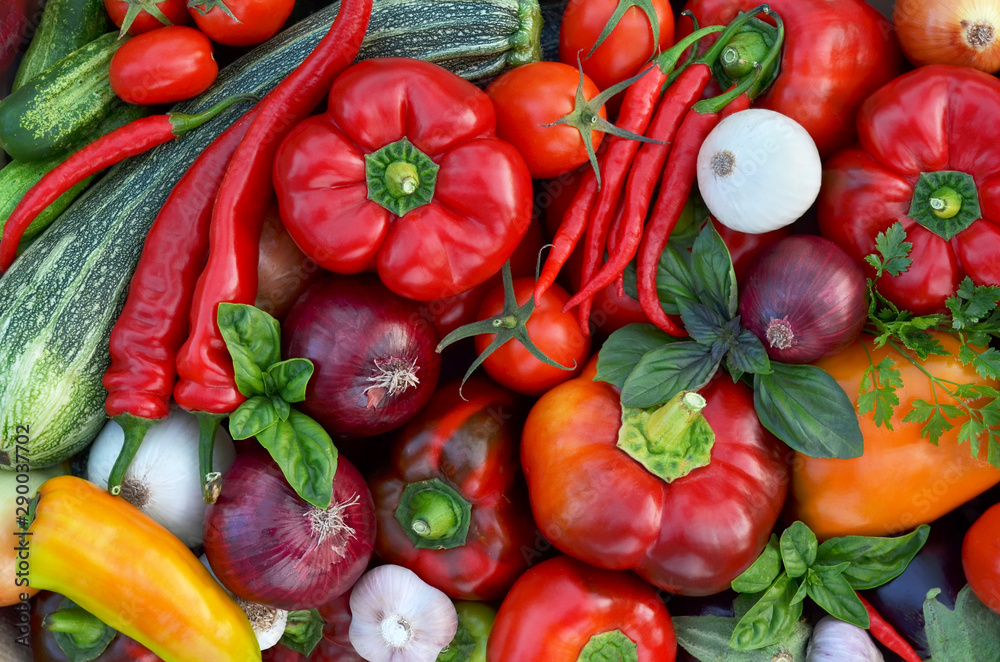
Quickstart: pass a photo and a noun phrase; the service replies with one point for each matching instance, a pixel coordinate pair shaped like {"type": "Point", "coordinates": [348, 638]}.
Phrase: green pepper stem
{"type": "Point", "coordinates": [741, 52]}
{"type": "Point", "coordinates": [672, 420]}
{"type": "Point", "coordinates": [135, 429]}
{"type": "Point", "coordinates": [434, 515]}
{"type": "Point", "coordinates": [610, 645]}
{"type": "Point", "coordinates": [183, 122]}
{"type": "Point", "coordinates": [945, 202]}
{"type": "Point", "coordinates": [715, 51]}
{"type": "Point", "coordinates": [208, 426]}
{"type": "Point", "coordinates": [667, 60]}
{"type": "Point", "coordinates": [716, 104]}
{"type": "Point", "coordinates": [85, 628]}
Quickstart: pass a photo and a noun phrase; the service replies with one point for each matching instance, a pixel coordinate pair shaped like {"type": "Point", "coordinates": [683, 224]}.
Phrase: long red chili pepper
{"type": "Point", "coordinates": [206, 383]}
{"type": "Point", "coordinates": [621, 153]}
{"type": "Point", "coordinates": [642, 177]}
{"type": "Point", "coordinates": [675, 187]}
{"type": "Point", "coordinates": [887, 635]}
{"type": "Point", "coordinates": [132, 139]}
{"type": "Point", "coordinates": [636, 111]}
{"type": "Point", "coordinates": [154, 321]}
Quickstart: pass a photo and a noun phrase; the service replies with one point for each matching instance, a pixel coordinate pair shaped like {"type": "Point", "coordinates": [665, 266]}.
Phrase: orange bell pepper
{"type": "Point", "coordinates": [902, 479]}
{"type": "Point", "coordinates": [133, 574]}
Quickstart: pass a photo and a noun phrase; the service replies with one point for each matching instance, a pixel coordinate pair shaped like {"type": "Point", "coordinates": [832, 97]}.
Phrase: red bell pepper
{"type": "Point", "coordinates": [929, 146]}
{"type": "Point", "coordinates": [451, 504]}
{"type": "Point", "coordinates": [404, 174]}
{"type": "Point", "coordinates": [598, 502]}
{"type": "Point", "coordinates": [563, 610]}
{"type": "Point", "coordinates": [835, 55]}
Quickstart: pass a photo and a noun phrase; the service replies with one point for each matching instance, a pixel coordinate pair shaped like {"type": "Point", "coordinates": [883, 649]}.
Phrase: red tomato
{"type": "Point", "coordinates": [540, 93]}
{"type": "Point", "coordinates": [981, 558]}
{"type": "Point", "coordinates": [175, 11]}
{"type": "Point", "coordinates": [165, 65]}
{"type": "Point", "coordinates": [625, 50]}
{"type": "Point", "coordinates": [554, 332]}
{"type": "Point", "coordinates": [257, 20]}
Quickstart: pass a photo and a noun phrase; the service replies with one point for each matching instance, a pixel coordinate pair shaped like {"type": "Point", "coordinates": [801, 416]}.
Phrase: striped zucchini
{"type": "Point", "coordinates": [17, 177]}
{"type": "Point", "coordinates": [66, 25]}
{"type": "Point", "coordinates": [60, 299]}
{"type": "Point", "coordinates": [58, 108]}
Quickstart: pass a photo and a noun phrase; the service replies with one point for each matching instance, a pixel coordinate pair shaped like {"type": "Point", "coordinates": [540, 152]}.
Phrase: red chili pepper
{"type": "Point", "coordinates": [642, 177]}
{"type": "Point", "coordinates": [636, 111]}
{"type": "Point", "coordinates": [154, 321]}
{"type": "Point", "coordinates": [887, 635]}
{"type": "Point", "coordinates": [131, 140]}
{"type": "Point", "coordinates": [675, 187]}
{"type": "Point", "coordinates": [206, 384]}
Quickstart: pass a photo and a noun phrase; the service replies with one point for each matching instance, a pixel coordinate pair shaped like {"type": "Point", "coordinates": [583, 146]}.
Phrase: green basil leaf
{"type": "Point", "coordinates": [747, 354]}
{"type": "Point", "coordinates": [303, 631]}
{"type": "Point", "coordinates": [252, 417]}
{"type": "Point", "coordinates": [306, 455]}
{"type": "Point", "coordinates": [666, 371]}
{"type": "Point", "coordinates": [771, 619]}
{"type": "Point", "coordinates": [798, 549]}
{"type": "Point", "coordinates": [713, 270]}
{"type": "Point", "coordinates": [703, 324]}
{"type": "Point", "coordinates": [675, 279]}
{"type": "Point", "coordinates": [291, 378]}
{"type": "Point", "coordinates": [707, 638]}
{"type": "Point", "coordinates": [805, 407]}
{"type": "Point", "coordinates": [874, 561]}
{"type": "Point", "coordinates": [254, 341]}
{"type": "Point", "coordinates": [281, 407]}
{"type": "Point", "coordinates": [828, 588]}
{"type": "Point", "coordinates": [762, 573]}
{"type": "Point", "coordinates": [800, 594]}
{"type": "Point", "coordinates": [623, 349]}
{"type": "Point", "coordinates": [970, 633]}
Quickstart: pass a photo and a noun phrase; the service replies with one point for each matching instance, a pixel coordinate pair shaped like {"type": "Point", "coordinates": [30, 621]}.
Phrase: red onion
{"type": "Point", "coordinates": [804, 297]}
{"type": "Point", "coordinates": [267, 545]}
{"type": "Point", "coordinates": [373, 352]}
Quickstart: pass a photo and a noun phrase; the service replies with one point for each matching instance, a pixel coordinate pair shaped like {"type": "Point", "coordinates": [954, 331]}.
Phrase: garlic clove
{"type": "Point", "coordinates": [834, 640]}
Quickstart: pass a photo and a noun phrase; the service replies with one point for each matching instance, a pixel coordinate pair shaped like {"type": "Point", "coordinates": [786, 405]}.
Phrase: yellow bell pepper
{"type": "Point", "coordinates": [133, 574]}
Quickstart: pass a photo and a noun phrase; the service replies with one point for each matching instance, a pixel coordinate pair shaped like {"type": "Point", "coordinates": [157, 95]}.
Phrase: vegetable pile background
{"type": "Point", "coordinates": [494, 330]}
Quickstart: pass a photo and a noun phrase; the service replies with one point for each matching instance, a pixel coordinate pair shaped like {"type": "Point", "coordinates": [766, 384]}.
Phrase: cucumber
{"type": "Point", "coordinates": [66, 25]}
{"type": "Point", "coordinates": [60, 299]}
{"type": "Point", "coordinates": [58, 108]}
{"type": "Point", "coordinates": [17, 176]}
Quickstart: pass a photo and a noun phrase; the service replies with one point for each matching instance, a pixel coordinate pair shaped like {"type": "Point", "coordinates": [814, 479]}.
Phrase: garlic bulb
{"type": "Point", "coordinates": [268, 622]}
{"type": "Point", "coordinates": [396, 617]}
{"type": "Point", "coordinates": [834, 640]}
{"type": "Point", "coordinates": [163, 479]}
{"type": "Point", "coordinates": [758, 171]}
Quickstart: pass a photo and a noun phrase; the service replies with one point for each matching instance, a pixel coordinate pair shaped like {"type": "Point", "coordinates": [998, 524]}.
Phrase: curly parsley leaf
{"type": "Point", "coordinates": [878, 391]}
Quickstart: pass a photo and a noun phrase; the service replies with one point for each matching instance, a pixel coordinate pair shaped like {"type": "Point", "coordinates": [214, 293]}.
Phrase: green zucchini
{"type": "Point", "coordinates": [18, 176]}
{"type": "Point", "coordinates": [58, 108]}
{"type": "Point", "coordinates": [66, 25]}
{"type": "Point", "coordinates": [60, 299]}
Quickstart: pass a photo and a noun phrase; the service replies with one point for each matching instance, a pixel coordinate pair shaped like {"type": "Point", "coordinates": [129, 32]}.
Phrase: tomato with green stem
{"type": "Point", "coordinates": [240, 22]}
{"type": "Point", "coordinates": [137, 16]}
{"type": "Point", "coordinates": [638, 29]}
{"type": "Point", "coordinates": [981, 558]}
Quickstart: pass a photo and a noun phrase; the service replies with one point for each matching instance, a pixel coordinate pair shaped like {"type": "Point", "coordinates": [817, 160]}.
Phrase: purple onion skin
{"type": "Point", "coordinates": [261, 541]}
{"type": "Point", "coordinates": [349, 327]}
{"type": "Point", "coordinates": [804, 297]}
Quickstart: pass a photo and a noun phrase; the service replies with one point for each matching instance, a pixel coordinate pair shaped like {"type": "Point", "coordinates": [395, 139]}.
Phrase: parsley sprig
{"type": "Point", "coordinates": [973, 319]}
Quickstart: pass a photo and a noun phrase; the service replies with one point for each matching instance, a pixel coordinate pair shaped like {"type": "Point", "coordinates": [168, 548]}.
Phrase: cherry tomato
{"type": "Point", "coordinates": [540, 93]}
{"type": "Point", "coordinates": [626, 49]}
{"type": "Point", "coordinates": [165, 65]}
{"type": "Point", "coordinates": [175, 11]}
{"type": "Point", "coordinates": [981, 558]}
{"type": "Point", "coordinates": [554, 332]}
{"type": "Point", "coordinates": [256, 20]}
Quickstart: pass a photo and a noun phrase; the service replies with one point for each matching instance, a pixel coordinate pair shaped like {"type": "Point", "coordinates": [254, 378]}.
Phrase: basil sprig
{"type": "Point", "coordinates": [795, 566]}
{"type": "Point", "coordinates": [301, 447]}
{"type": "Point", "coordinates": [800, 404]}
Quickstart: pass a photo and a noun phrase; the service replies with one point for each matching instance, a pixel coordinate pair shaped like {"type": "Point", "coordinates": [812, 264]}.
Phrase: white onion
{"type": "Point", "coordinates": [758, 171]}
{"type": "Point", "coordinates": [163, 480]}
{"type": "Point", "coordinates": [834, 640]}
{"type": "Point", "coordinates": [397, 617]}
